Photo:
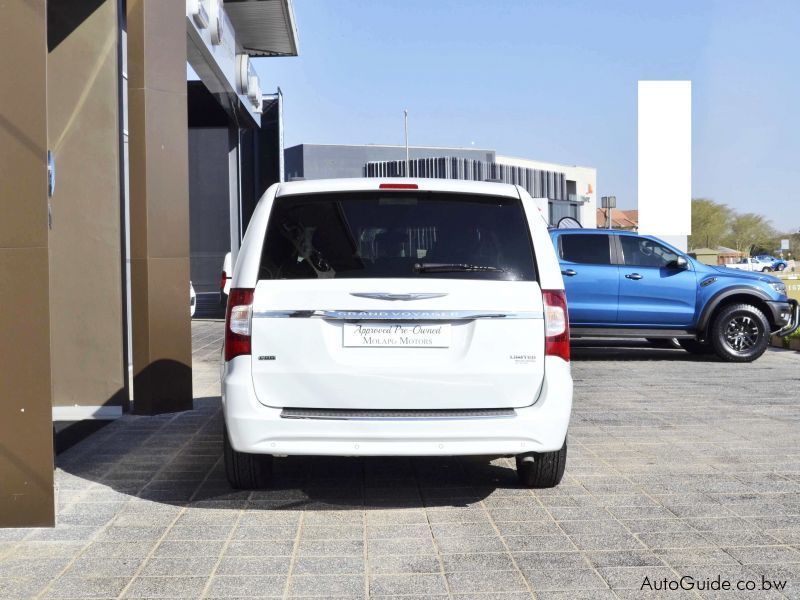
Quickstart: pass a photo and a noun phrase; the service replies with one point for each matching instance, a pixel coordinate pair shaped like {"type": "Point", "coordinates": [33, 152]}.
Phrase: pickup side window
{"type": "Point", "coordinates": [643, 252]}
{"type": "Point", "coordinates": [586, 248]}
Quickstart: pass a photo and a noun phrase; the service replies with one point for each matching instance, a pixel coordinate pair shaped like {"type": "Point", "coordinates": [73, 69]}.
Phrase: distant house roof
{"type": "Point", "coordinates": [725, 250]}
{"type": "Point", "coordinates": [704, 251]}
{"type": "Point", "coordinates": [620, 219]}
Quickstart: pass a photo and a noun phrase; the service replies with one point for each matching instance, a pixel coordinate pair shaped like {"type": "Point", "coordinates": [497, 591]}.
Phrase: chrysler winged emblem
{"type": "Point", "coordinates": [386, 296]}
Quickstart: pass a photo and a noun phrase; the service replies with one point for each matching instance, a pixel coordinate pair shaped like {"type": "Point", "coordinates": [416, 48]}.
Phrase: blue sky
{"type": "Point", "coordinates": [556, 80]}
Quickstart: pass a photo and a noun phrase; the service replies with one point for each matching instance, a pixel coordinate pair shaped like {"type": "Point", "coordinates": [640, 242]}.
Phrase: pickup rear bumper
{"type": "Point", "coordinates": [786, 315]}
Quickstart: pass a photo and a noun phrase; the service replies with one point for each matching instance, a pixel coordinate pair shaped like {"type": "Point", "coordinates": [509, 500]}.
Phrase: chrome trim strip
{"type": "Point", "coordinates": [387, 296]}
{"type": "Point", "coordinates": [394, 315]}
{"type": "Point", "coordinates": [396, 415]}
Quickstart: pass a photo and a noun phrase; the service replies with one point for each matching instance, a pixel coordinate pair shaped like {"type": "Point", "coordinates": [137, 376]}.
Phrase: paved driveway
{"type": "Point", "coordinates": [676, 467]}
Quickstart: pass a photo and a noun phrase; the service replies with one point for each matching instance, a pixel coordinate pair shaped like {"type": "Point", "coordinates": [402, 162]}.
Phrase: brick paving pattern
{"type": "Point", "coordinates": [677, 466]}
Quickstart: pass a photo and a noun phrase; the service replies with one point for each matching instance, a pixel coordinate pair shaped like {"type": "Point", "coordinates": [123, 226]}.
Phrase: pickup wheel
{"type": "Point", "coordinates": [766, 270]}
{"type": "Point", "coordinates": [245, 471]}
{"type": "Point", "coordinates": [696, 347]}
{"type": "Point", "coordinates": [739, 333]}
{"type": "Point", "coordinates": [542, 469]}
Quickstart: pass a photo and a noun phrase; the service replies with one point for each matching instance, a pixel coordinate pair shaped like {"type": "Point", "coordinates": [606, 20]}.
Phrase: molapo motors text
{"type": "Point", "coordinates": [687, 582]}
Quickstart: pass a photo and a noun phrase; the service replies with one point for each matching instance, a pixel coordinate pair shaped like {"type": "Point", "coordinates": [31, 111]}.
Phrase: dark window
{"type": "Point", "coordinates": [642, 252]}
{"type": "Point", "coordinates": [392, 234]}
{"type": "Point", "coordinates": [587, 248]}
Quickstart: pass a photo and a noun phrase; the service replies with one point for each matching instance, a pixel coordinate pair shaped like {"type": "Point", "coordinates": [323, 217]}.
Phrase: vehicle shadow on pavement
{"type": "Point", "coordinates": [630, 350]}
{"type": "Point", "coordinates": [176, 459]}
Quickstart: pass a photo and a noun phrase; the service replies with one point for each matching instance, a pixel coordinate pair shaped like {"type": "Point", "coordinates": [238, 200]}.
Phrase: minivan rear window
{"type": "Point", "coordinates": [397, 234]}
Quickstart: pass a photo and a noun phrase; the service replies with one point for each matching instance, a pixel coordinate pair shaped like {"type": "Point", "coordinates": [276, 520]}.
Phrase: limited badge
{"type": "Point", "coordinates": [522, 359]}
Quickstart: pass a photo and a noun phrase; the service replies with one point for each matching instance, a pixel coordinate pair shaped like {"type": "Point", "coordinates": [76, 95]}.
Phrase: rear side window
{"type": "Point", "coordinates": [397, 234]}
{"type": "Point", "coordinates": [586, 248]}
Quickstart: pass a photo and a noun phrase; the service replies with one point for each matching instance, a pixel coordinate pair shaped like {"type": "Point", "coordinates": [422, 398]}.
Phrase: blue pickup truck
{"type": "Point", "coordinates": [621, 284]}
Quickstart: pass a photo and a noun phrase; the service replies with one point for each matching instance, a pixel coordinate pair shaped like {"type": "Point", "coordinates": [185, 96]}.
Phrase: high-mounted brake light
{"type": "Point", "coordinates": [238, 323]}
{"type": "Point", "coordinates": [398, 186]}
{"type": "Point", "coordinates": [556, 324]}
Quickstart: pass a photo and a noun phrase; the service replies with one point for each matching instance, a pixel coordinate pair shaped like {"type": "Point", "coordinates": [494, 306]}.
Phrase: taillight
{"type": "Point", "coordinates": [223, 279]}
{"type": "Point", "coordinates": [556, 324]}
{"type": "Point", "coordinates": [238, 323]}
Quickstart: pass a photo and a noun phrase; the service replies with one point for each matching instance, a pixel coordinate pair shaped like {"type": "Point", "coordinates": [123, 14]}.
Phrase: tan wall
{"type": "Point", "coordinates": [159, 199]}
{"type": "Point", "coordinates": [26, 442]}
{"type": "Point", "coordinates": [85, 249]}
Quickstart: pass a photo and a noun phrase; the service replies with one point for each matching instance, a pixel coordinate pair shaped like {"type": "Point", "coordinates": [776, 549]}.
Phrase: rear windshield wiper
{"type": "Point", "coordinates": [454, 267]}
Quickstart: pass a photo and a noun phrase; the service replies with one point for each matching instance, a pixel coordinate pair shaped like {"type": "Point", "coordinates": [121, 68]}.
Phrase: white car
{"type": "Point", "coordinates": [225, 279]}
{"type": "Point", "coordinates": [396, 318]}
{"type": "Point", "coordinates": [751, 264]}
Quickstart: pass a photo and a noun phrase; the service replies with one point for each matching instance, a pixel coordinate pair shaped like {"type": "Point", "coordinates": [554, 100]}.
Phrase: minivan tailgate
{"type": "Point", "coordinates": [397, 343]}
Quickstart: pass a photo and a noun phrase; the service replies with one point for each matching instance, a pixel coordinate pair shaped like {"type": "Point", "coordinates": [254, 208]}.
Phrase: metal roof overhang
{"type": "Point", "coordinates": [264, 27]}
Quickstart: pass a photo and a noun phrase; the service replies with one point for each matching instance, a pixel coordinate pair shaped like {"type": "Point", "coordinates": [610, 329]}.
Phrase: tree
{"type": "Point", "coordinates": [711, 223]}
{"type": "Point", "coordinates": [750, 231]}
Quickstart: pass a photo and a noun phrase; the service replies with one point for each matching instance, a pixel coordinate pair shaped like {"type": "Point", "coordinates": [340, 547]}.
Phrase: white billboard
{"type": "Point", "coordinates": [665, 158]}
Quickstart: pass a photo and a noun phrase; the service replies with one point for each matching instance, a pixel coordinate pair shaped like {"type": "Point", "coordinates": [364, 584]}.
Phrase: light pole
{"type": "Point", "coordinates": [405, 126]}
{"type": "Point", "coordinates": [609, 203]}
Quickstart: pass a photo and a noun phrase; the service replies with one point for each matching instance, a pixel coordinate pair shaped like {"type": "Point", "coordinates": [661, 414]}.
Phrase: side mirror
{"type": "Point", "coordinates": [679, 263]}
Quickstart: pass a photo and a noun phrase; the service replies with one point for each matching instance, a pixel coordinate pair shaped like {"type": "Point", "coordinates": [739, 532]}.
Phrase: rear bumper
{"type": "Point", "coordinates": [258, 429]}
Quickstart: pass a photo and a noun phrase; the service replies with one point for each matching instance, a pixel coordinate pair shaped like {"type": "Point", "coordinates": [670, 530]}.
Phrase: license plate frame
{"type": "Point", "coordinates": [375, 334]}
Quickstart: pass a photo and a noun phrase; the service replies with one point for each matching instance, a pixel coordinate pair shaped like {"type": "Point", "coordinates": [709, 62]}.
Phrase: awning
{"type": "Point", "coordinates": [264, 27]}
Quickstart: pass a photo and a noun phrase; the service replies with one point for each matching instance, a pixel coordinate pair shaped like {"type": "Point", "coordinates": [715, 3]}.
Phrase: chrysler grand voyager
{"type": "Point", "coordinates": [396, 318]}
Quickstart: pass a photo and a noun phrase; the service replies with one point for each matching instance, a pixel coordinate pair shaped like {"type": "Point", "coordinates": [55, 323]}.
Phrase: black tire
{"type": "Point", "coordinates": [739, 333]}
{"type": "Point", "coordinates": [780, 267]}
{"type": "Point", "coordinates": [696, 347]}
{"type": "Point", "coordinates": [246, 471]}
{"type": "Point", "coordinates": [766, 270]}
{"type": "Point", "coordinates": [542, 469]}
{"type": "Point", "coordinates": [667, 343]}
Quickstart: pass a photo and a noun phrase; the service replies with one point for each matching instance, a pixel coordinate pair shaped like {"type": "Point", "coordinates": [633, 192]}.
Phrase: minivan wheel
{"type": "Point", "coordinates": [697, 347]}
{"type": "Point", "coordinates": [542, 469]}
{"type": "Point", "coordinates": [740, 333]}
{"type": "Point", "coordinates": [245, 471]}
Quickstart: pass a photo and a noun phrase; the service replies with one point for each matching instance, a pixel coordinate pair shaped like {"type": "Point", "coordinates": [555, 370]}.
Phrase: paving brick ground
{"type": "Point", "coordinates": [677, 467]}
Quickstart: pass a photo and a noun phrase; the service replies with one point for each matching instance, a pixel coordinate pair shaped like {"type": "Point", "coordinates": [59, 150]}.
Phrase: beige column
{"type": "Point", "coordinates": [26, 433]}
{"type": "Point", "coordinates": [159, 199]}
{"type": "Point", "coordinates": [87, 342]}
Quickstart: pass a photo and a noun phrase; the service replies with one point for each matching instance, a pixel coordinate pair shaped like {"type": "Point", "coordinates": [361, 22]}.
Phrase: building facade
{"type": "Point", "coordinates": [95, 227]}
{"type": "Point", "coordinates": [570, 190]}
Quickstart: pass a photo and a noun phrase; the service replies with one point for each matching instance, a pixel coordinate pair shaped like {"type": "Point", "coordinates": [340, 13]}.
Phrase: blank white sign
{"type": "Point", "coordinates": [665, 158]}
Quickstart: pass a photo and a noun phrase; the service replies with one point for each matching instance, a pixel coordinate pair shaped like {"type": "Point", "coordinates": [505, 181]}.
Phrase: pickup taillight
{"type": "Point", "coordinates": [238, 323]}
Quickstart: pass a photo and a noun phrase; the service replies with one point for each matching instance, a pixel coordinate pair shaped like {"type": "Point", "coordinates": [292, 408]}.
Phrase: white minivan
{"type": "Point", "coordinates": [400, 317]}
